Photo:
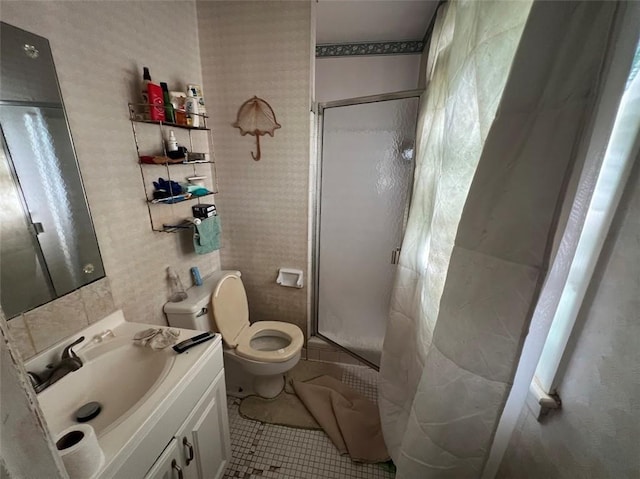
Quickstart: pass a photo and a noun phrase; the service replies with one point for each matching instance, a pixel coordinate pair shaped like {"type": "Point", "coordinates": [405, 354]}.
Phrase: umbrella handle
{"type": "Point", "coordinates": [257, 157]}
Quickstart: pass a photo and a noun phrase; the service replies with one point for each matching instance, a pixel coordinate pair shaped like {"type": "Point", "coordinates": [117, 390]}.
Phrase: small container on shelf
{"type": "Point", "coordinates": [169, 111]}
{"type": "Point", "coordinates": [172, 143]}
{"type": "Point", "coordinates": [203, 211]}
{"type": "Point", "coordinates": [152, 97]}
{"type": "Point", "coordinates": [192, 109]}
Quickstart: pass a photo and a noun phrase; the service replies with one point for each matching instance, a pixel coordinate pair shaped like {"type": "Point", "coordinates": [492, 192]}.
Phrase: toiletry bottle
{"type": "Point", "coordinates": [177, 290]}
{"type": "Point", "coordinates": [178, 99]}
{"type": "Point", "coordinates": [197, 93]}
{"type": "Point", "coordinates": [146, 79]}
{"type": "Point", "coordinates": [192, 108]}
{"type": "Point", "coordinates": [172, 143]}
{"type": "Point", "coordinates": [168, 107]}
{"type": "Point", "coordinates": [197, 279]}
{"type": "Point", "coordinates": [153, 97]}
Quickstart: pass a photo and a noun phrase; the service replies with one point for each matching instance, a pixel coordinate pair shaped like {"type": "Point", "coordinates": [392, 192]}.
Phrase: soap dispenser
{"type": "Point", "coordinates": [177, 290]}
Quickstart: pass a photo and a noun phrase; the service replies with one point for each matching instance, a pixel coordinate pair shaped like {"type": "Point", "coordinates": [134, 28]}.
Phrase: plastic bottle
{"type": "Point", "coordinates": [178, 99]}
{"type": "Point", "coordinates": [146, 79]}
{"type": "Point", "coordinates": [177, 290]}
{"type": "Point", "coordinates": [172, 143]}
{"type": "Point", "coordinates": [152, 95]}
{"type": "Point", "coordinates": [197, 279]}
{"type": "Point", "coordinates": [168, 107]}
{"type": "Point", "coordinates": [193, 108]}
{"type": "Point", "coordinates": [197, 93]}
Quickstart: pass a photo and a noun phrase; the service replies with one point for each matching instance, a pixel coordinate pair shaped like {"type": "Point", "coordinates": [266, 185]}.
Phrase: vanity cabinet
{"type": "Point", "coordinates": [200, 448]}
{"type": "Point", "coordinates": [168, 465]}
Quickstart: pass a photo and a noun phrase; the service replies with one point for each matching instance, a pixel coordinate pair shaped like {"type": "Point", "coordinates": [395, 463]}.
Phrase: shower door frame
{"type": "Point", "coordinates": [317, 196]}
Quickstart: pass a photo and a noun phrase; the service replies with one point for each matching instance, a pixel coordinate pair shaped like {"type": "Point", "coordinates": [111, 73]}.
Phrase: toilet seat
{"type": "Point", "coordinates": [231, 315]}
{"type": "Point", "coordinates": [289, 331]}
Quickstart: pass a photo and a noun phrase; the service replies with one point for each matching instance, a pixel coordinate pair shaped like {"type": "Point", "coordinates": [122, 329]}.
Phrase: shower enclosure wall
{"type": "Point", "coordinates": [365, 171]}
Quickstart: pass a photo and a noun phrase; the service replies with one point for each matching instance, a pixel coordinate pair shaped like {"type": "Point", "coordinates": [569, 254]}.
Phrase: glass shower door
{"type": "Point", "coordinates": [366, 173]}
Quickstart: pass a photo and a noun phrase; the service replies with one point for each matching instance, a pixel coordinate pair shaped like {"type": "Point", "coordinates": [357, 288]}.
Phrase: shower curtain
{"type": "Point", "coordinates": [510, 85]}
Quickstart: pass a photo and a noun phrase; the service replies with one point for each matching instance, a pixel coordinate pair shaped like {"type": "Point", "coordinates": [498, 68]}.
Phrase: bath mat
{"type": "Point", "coordinates": [286, 409]}
{"type": "Point", "coordinates": [308, 370]}
{"type": "Point", "coordinates": [349, 419]}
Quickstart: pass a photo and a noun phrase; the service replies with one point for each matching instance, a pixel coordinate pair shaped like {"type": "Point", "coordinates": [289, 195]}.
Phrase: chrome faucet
{"type": "Point", "coordinates": [69, 362]}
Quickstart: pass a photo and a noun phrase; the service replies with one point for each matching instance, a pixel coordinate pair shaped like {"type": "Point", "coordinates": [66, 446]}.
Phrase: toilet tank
{"type": "Point", "coordinates": [195, 311]}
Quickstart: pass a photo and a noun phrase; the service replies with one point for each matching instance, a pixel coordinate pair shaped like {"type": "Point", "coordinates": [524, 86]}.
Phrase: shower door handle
{"type": "Point", "coordinates": [395, 256]}
{"type": "Point", "coordinates": [38, 228]}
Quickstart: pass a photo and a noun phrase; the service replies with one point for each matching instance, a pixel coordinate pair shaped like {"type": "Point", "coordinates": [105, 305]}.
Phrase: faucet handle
{"type": "Point", "coordinates": [36, 380]}
{"type": "Point", "coordinates": [68, 352]}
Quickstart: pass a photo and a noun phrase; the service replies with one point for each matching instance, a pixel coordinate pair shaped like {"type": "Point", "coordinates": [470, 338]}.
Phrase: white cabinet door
{"type": "Point", "coordinates": [204, 439]}
{"type": "Point", "coordinates": [168, 465]}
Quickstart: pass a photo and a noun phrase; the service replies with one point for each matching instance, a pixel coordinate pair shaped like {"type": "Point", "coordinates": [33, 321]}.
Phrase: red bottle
{"type": "Point", "coordinates": [153, 96]}
{"type": "Point", "coordinates": [156, 98]}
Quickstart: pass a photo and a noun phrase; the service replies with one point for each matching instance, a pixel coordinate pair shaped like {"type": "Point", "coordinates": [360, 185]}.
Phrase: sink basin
{"type": "Point", "coordinates": [116, 373]}
{"type": "Point", "coordinates": [141, 391]}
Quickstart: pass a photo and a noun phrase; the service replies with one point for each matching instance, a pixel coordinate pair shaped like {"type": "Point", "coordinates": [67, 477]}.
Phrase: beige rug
{"type": "Point", "coordinates": [349, 419]}
{"type": "Point", "coordinates": [286, 409]}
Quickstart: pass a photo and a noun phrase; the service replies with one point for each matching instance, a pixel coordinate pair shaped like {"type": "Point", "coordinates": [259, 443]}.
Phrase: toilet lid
{"type": "Point", "coordinates": [230, 308]}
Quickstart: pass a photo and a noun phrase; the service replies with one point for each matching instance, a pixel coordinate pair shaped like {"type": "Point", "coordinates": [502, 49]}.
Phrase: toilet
{"type": "Point", "coordinates": [256, 355]}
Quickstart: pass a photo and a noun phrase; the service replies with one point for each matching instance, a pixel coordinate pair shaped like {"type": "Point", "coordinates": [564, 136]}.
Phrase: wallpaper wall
{"type": "Point", "coordinates": [264, 49]}
{"type": "Point", "coordinates": [26, 445]}
{"type": "Point", "coordinates": [99, 49]}
{"type": "Point", "coordinates": [351, 77]}
{"type": "Point", "coordinates": [594, 436]}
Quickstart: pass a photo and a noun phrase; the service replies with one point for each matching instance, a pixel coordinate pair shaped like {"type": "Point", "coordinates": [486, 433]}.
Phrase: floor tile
{"type": "Point", "coordinates": [268, 451]}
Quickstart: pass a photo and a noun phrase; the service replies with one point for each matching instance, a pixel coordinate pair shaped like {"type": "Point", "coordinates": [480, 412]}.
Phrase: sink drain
{"type": "Point", "coordinates": [88, 411]}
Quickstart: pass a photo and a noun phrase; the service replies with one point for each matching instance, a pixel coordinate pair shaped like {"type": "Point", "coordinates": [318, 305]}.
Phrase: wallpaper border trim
{"type": "Point", "coordinates": [369, 48]}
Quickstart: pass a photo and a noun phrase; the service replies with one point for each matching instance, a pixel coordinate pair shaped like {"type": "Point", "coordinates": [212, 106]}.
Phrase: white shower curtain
{"type": "Point", "coordinates": [503, 110]}
{"type": "Point", "coordinates": [472, 48]}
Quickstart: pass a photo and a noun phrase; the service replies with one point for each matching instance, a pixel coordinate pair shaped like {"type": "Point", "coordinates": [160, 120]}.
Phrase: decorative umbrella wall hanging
{"type": "Point", "coordinates": [256, 118]}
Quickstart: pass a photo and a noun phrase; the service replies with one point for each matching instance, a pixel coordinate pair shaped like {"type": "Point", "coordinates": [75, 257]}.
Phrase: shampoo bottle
{"type": "Point", "coordinates": [197, 93]}
{"type": "Point", "coordinates": [192, 108]}
{"type": "Point", "coordinates": [152, 95]}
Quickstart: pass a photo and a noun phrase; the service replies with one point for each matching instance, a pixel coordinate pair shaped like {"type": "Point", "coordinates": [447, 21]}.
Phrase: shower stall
{"type": "Point", "coordinates": [363, 187]}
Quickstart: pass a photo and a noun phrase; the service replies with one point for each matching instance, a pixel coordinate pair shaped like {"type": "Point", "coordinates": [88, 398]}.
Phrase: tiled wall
{"type": "Point", "coordinates": [42, 327]}
{"type": "Point", "coordinates": [99, 49]}
{"type": "Point", "coordinates": [261, 48]}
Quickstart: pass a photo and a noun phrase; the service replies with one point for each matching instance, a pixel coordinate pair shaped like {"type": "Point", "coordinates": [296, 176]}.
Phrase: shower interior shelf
{"type": "Point", "coordinates": [149, 137]}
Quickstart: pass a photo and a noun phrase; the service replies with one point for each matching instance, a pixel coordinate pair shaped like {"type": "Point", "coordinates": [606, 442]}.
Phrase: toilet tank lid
{"type": "Point", "coordinates": [198, 297]}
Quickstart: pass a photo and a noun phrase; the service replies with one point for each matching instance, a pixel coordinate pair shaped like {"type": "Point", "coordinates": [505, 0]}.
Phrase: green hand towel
{"type": "Point", "coordinates": [206, 237]}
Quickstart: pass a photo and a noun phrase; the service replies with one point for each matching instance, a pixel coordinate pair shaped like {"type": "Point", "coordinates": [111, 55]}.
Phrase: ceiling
{"type": "Point", "coordinates": [350, 21]}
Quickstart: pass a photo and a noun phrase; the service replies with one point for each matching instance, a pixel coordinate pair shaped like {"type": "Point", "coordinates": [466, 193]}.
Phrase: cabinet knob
{"type": "Point", "coordinates": [189, 447]}
{"type": "Point", "coordinates": [174, 465]}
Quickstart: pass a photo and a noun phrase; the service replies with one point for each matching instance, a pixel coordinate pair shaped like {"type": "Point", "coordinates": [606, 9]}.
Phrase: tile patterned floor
{"type": "Point", "coordinates": [268, 451]}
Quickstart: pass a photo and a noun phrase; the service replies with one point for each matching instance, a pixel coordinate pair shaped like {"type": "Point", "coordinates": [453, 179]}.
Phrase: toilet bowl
{"type": "Point", "coordinates": [264, 350]}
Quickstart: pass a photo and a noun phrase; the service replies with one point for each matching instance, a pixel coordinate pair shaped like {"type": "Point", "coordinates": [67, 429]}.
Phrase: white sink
{"type": "Point", "coordinates": [116, 373]}
{"type": "Point", "coordinates": [136, 386]}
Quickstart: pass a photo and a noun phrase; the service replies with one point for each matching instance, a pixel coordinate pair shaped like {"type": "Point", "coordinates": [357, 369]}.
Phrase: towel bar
{"type": "Point", "coordinates": [185, 225]}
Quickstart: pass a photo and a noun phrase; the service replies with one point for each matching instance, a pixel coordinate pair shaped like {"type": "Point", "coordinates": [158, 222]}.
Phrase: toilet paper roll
{"type": "Point", "coordinates": [80, 451]}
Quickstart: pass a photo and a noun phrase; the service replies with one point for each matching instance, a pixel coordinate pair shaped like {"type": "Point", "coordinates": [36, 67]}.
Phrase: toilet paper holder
{"type": "Point", "coordinates": [290, 278]}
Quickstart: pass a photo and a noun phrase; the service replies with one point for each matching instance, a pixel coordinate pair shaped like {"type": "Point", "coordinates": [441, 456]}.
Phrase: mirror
{"type": "Point", "coordinates": [48, 245]}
